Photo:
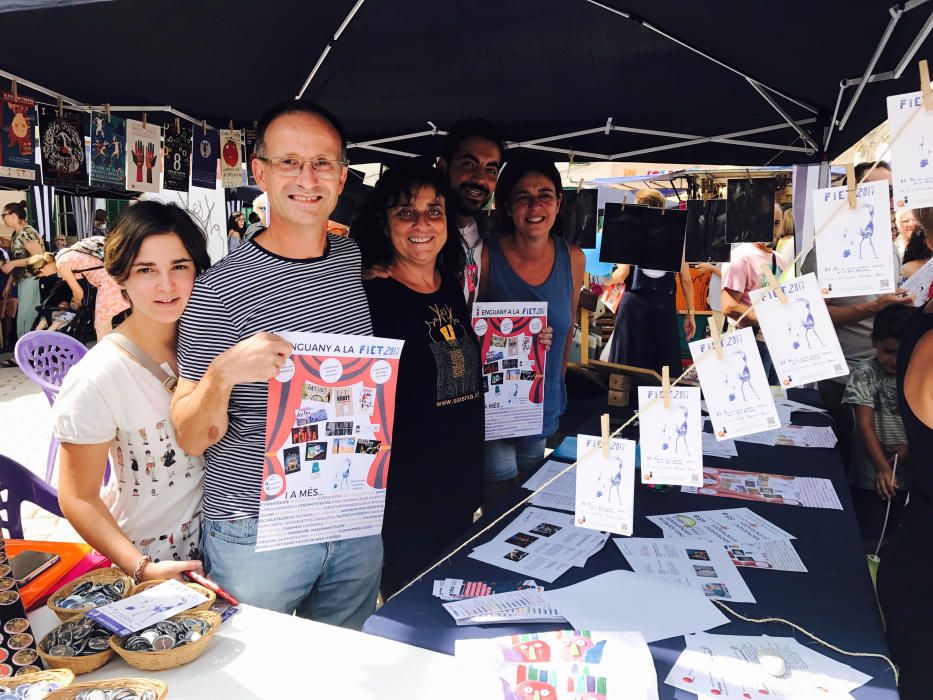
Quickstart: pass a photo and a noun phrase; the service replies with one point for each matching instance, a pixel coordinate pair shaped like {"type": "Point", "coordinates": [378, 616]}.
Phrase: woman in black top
{"type": "Point", "coordinates": [436, 472]}
{"type": "Point", "coordinates": [904, 577]}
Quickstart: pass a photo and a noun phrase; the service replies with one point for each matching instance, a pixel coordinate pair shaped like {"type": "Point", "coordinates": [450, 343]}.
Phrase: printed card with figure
{"type": "Point", "coordinates": [799, 332]}
{"type": "Point", "coordinates": [670, 439]}
{"type": "Point", "coordinates": [605, 488]}
{"type": "Point", "coordinates": [911, 134]}
{"type": "Point", "coordinates": [735, 386]}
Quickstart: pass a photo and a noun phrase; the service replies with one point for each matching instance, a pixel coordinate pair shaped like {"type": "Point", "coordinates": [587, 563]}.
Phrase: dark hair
{"type": "Point", "coordinates": [468, 128]}
{"type": "Point", "coordinates": [399, 184]}
{"type": "Point", "coordinates": [296, 107]}
{"type": "Point", "coordinates": [514, 171]}
{"type": "Point", "coordinates": [253, 217]}
{"type": "Point", "coordinates": [231, 221]}
{"type": "Point", "coordinates": [861, 169]}
{"type": "Point", "coordinates": [100, 215]}
{"type": "Point", "coordinates": [917, 247]}
{"type": "Point", "coordinates": [18, 208]}
{"type": "Point", "coordinates": [891, 322]}
{"type": "Point", "coordinates": [151, 218]}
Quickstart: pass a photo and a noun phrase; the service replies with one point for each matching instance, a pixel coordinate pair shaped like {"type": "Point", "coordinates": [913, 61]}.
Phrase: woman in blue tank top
{"type": "Point", "coordinates": [527, 263]}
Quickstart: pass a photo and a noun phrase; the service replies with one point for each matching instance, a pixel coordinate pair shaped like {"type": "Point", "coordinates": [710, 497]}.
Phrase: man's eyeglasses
{"type": "Point", "coordinates": [292, 167]}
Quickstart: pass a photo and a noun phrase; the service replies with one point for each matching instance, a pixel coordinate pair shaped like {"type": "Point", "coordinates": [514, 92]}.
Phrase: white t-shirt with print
{"type": "Point", "coordinates": [154, 491]}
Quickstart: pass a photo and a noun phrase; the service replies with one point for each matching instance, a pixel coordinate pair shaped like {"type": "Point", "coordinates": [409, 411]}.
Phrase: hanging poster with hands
{"type": "Point", "coordinates": [605, 488]}
{"type": "Point", "coordinates": [735, 386]}
{"type": "Point", "coordinates": [670, 439]}
{"type": "Point", "coordinates": [800, 334]}
{"type": "Point", "coordinates": [513, 366]}
{"type": "Point", "coordinates": [911, 129]}
{"type": "Point", "coordinates": [143, 162]}
{"type": "Point", "coordinates": [854, 255]}
{"type": "Point", "coordinates": [328, 435]}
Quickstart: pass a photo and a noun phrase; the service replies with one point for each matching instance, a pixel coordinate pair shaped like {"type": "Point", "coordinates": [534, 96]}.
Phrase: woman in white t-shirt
{"type": "Point", "coordinates": [146, 520]}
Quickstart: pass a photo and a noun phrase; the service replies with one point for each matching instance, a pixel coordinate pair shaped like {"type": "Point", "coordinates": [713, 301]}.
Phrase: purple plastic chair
{"type": "Point", "coordinates": [21, 485]}
{"type": "Point", "coordinates": [45, 357]}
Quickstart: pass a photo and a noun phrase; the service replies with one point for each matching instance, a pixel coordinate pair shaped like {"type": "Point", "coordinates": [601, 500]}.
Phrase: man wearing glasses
{"type": "Point", "coordinates": [293, 276]}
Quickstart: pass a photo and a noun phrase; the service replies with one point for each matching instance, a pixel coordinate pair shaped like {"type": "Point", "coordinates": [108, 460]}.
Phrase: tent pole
{"type": "Point", "coordinates": [402, 137]}
{"type": "Point", "coordinates": [38, 88]}
{"type": "Point", "coordinates": [780, 110]}
{"type": "Point", "coordinates": [330, 45]}
{"type": "Point", "coordinates": [896, 13]}
{"type": "Point", "coordinates": [914, 46]}
{"type": "Point", "coordinates": [390, 151]}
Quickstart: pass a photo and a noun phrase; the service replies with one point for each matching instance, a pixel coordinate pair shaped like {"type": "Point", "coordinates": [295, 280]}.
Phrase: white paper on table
{"type": "Point", "coordinates": [147, 608]}
{"type": "Point", "coordinates": [854, 255]}
{"type": "Point", "coordinates": [540, 543]}
{"type": "Point", "coordinates": [735, 387]}
{"type": "Point", "coordinates": [561, 493]}
{"type": "Point", "coordinates": [806, 491]}
{"type": "Point", "coordinates": [622, 600]}
{"type": "Point", "coordinates": [777, 555]}
{"type": "Point", "coordinates": [799, 333]}
{"type": "Point", "coordinates": [725, 526]}
{"type": "Point", "coordinates": [806, 436]}
{"type": "Point", "coordinates": [728, 666]}
{"type": "Point", "coordinates": [605, 488]}
{"type": "Point", "coordinates": [670, 438]}
{"type": "Point", "coordinates": [919, 283]}
{"type": "Point", "coordinates": [783, 412]}
{"type": "Point", "coordinates": [796, 406]}
{"type": "Point", "coordinates": [765, 437]}
{"type": "Point", "coordinates": [718, 448]}
{"type": "Point", "coordinates": [911, 129]}
{"type": "Point", "coordinates": [698, 564]}
{"type": "Point", "coordinates": [618, 663]}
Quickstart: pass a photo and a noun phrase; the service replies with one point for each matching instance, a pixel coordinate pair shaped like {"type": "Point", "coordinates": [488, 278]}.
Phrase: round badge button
{"type": "Point", "coordinates": [16, 625]}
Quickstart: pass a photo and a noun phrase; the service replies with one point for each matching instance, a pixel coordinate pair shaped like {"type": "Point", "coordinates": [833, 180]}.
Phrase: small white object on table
{"type": "Point", "coordinates": [262, 654]}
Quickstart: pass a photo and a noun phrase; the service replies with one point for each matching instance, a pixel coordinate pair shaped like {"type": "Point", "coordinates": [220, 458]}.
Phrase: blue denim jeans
{"type": "Point", "coordinates": [334, 582]}
{"type": "Point", "coordinates": [507, 458]}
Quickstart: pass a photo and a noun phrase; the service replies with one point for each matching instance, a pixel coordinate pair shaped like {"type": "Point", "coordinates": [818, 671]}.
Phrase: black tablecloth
{"type": "Point", "coordinates": [834, 600]}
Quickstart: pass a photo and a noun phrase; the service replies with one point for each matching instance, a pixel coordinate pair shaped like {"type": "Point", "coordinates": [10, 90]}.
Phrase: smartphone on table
{"type": "Point", "coordinates": [30, 563]}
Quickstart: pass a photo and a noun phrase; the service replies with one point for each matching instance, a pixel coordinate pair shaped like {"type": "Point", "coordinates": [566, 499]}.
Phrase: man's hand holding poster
{"type": "Point", "coordinates": [513, 366]}
{"type": "Point", "coordinates": [328, 440]}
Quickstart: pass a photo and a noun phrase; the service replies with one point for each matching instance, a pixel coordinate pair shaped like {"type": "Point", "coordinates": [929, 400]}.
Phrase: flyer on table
{"type": "Point", "coordinates": [670, 439]}
{"type": "Point", "coordinates": [854, 255]}
{"type": "Point", "coordinates": [911, 130]}
{"type": "Point", "coordinates": [513, 366]}
{"type": "Point", "coordinates": [605, 488]}
{"type": "Point", "coordinates": [806, 491]}
{"type": "Point", "coordinates": [726, 526]}
{"type": "Point", "coordinates": [735, 386]}
{"type": "Point", "coordinates": [328, 435]}
{"type": "Point", "coordinates": [799, 333]}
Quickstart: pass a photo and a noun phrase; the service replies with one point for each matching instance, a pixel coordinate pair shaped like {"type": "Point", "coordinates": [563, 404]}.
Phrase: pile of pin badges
{"type": "Point", "coordinates": [29, 691]}
{"type": "Point", "coordinates": [112, 694]}
{"type": "Point", "coordinates": [17, 645]}
{"type": "Point", "coordinates": [90, 594]}
{"type": "Point", "coordinates": [168, 634]}
{"type": "Point", "coordinates": [82, 637]}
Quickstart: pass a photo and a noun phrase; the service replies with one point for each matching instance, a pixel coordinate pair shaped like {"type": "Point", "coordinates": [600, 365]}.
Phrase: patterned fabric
{"type": "Point", "coordinates": [18, 249]}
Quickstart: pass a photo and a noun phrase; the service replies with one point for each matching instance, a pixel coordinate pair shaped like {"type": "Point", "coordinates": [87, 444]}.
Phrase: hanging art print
{"type": "Point", "coordinates": [108, 151]}
{"type": "Point", "coordinates": [61, 139]}
{"type": "Point", "coordinates": [144, 164]}
{"type": "Point", "coordinates": [204, 158]}
{"type": "Point", "coordinates": [17, 155]}
{"type": "Point", "coordinates": [231, 161]}
{"type": "Point", "coordinates": [177, 159]}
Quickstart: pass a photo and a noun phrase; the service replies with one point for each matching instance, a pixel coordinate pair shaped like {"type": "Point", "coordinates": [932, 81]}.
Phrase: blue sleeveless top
{"type": "Point", "coordinates": [505, 285]}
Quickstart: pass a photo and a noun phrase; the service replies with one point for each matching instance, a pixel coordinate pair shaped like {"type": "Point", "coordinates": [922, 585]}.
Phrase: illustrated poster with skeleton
{"type": "Point", "coordinates": [605, 488]}
{"type": "Point", "coordinates": [61, 139]}
{"type": "Point", "coordinates": [854, 254]}
{"type": "Point", "coordinates": [735, 386]}
{"type": "Point", "coordinates": [144, 157]}
{"type": "Point", "coordinates": [328, 435]}
{"type": "Point", "coordinates": [799, 333]}
{"type": "Point", "coordinates": [671, 439]}
{"type": "Point", "coordinates": [513, 366]}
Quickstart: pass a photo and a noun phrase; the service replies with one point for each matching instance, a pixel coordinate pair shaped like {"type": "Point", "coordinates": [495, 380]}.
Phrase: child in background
{"type": "Point", "coordinates": [872, 394]}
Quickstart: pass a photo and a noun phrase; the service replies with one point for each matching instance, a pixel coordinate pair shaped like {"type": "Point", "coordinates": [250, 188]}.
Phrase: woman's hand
{"type": "Point", "coordinates": [546, 337]}
{"type": "Point", "coordinates": [170, 569]}
{"type": "Point", "coordinates": [690, 326]}
{"type": "Point", "coordinates": [376, 271]}
{"type": "Point", "coordinates": [8, 267]}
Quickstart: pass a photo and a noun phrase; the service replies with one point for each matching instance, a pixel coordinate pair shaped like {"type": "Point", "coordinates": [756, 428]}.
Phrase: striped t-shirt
{"type": "Point", "coordinates": [248, 292]}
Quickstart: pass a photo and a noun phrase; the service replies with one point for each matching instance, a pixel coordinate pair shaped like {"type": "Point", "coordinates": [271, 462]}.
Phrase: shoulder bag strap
{"type": "Point", "coordinates": [141, 358]}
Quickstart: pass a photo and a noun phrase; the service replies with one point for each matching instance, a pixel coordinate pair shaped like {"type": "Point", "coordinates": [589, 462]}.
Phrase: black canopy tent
{"type": "Point", "coordinates": [712, 82]}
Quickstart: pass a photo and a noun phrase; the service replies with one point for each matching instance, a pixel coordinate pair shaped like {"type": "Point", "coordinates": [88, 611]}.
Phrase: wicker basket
{"type": "Point", "coordinates": [76, 664]}
{"type": "Point", "coordinates": [211, 596]}
{"type": "Point", "coordinates": [170, 658]}
{"type": "Point", "coordinates": [62, 676]}
{"type": "Point", "coordinates": [140, 685]}
{"type": "Point", "coordinates": [110, 575]}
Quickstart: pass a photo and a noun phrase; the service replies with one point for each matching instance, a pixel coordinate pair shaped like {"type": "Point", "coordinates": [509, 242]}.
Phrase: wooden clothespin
{"type": "Point", "coordinates": [61, 106]}
{"type": "Point", "coordinates": [107, 110]}
{"type": "Point", "coordinates": [177, 125]}
{"type": "Point", "coordinates": [666, 386]}
{"type": "Point", "coordinates": [717, 343]}
{"type": "Point", "coordinates": [230, 125]}
{"type": "Point", "coordinates": [604, 429]}
{"type": "Point", "coordinates": [925, 86]}
{"type": "Point", "coordinates": [851, 185]}
{"type": "Point", "coordinates": [773, 283]}
{"type": "Point", "coordinates": [13, 89]}
{"type": "Point", "coordinates": [204, 126]}
{"type": "Point", "coordinates": [145, 120]}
